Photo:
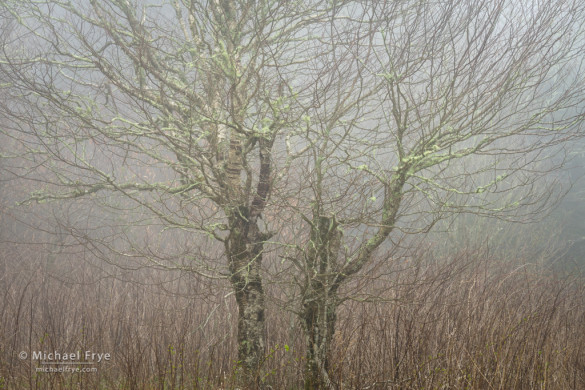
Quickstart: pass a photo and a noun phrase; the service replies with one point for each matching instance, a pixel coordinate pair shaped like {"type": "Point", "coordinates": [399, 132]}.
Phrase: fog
{"type": "Point", "coordinates": [257, 194]}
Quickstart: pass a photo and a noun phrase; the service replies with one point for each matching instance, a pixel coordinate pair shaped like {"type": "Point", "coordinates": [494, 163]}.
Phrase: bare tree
{"type": "Point", "coordinates": [327, 128]}
{"type": "Point", "coordinates": [461, 107]}
{"type": "Point", "coordinates": [168, 115]}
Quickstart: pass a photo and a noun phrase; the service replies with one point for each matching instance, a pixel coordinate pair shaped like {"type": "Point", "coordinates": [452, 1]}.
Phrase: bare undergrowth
{"type": "Point", "coordinates": [464, 324]}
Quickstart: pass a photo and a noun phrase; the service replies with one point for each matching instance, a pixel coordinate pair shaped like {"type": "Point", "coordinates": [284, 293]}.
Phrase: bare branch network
{"type": "Point", "coordinates": [311, 133]}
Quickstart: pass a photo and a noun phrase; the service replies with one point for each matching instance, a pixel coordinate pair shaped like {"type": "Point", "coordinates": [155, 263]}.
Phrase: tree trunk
{"type": "Point", "coordinates": [319, 300]}
{"type": "Point", "coordinates": [250, 300]}
{"type": "Point", "coordinates": [244, 247]}
{"type": "Point", "coordinates": [319, 317]}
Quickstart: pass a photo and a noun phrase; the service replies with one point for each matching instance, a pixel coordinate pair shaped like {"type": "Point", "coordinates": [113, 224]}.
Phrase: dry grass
{"type": "Point", "coordinates": [487, 325]}
{"type": "Point", "coordinates": [467, 324]}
